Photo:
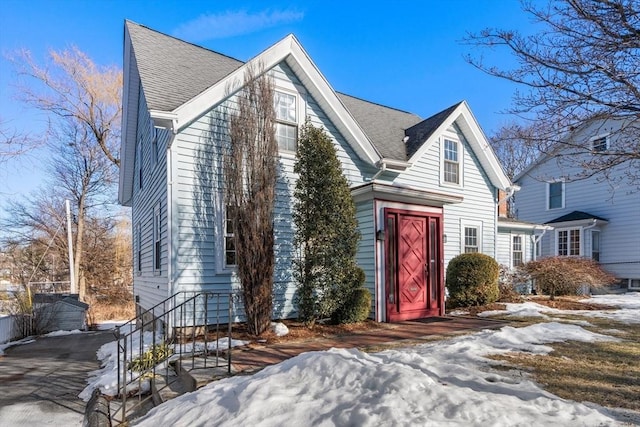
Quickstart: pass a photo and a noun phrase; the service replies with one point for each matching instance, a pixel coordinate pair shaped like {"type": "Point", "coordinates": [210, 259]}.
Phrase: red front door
{"type": "Point", "coordinates": [414, 285]}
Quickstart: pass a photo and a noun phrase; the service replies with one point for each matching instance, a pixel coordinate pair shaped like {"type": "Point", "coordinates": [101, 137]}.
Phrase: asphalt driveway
{"type": "Point", "coordinates": [40, 381]}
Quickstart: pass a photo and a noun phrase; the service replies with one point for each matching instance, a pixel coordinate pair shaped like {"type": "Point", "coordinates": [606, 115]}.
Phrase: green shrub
{"type": "Point", "coordinates": [356, 307]}
{"type": "Point", "coordinates": [557, 276]}
{"type": "Point", "coordinates": [472, 279]}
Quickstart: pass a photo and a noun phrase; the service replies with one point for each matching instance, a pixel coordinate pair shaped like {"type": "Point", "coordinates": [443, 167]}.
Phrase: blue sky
{"type": "Point", "coordinates": [403, 54]}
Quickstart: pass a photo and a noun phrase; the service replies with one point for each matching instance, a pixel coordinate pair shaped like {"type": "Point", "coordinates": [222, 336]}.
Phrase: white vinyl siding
{"type": "Point", "coordinates": [149, 203]}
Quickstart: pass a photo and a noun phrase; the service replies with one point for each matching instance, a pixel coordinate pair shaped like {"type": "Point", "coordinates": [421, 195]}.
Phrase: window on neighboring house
{"type": "Point", "coordinates": [156, 238]}
{"type": "Point", "coordinates": [538, 247]}
{"type": "Point", "coordinates": [569, 242]}
{"type": "Point", "coordinates": [471, 243]}
{"type": "Point", "coordinates": [451, 162]}
{"type": "Point", "coordinates": [600, 144]}
{"type": "Point", "coordinates": [595, 245]}
{"type": "Point", "coordinates": [139, 159]}
{"type": "Point", "coordinates": [555, 199]}
{"type": "Point", "coordinates": [286, 121]}
{"type": "Point", "coordinates": [516, 251]}
{"type": "Point", "coordinates": [138, 239]}
{"type": "Point", "coordinates": [229, 243]}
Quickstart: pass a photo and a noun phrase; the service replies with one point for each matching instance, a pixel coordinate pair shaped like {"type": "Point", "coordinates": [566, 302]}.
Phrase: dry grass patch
{"type": "Point", "coordinates": [101, 311]}
{"type": "Point", "coordinates": [606, 373]}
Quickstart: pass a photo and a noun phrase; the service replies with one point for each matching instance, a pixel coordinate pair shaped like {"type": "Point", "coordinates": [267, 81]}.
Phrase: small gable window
{"type": "Point", "coordinates": [600, 144]}
{"type": "Point", "coordinates": [451, 161]}
{"type": "Point", "coordinates": [555, 195]}
{"type": "Point", "coordinates": [286, 121]}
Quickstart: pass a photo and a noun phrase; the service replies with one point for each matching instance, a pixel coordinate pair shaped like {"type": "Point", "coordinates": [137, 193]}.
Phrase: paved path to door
{"type": "Point", "coordinates": [40, 381]}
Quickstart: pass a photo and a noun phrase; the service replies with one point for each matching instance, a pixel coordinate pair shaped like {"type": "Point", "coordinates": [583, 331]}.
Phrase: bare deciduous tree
{"type": "Point", "coordinates": [581, 66]}
{"type": "Point", "coordinates": [72, 86]}
{"type": "Point", "coordinates": [78, 171]}
{"type": "Point", "coordinates": [250, 180]}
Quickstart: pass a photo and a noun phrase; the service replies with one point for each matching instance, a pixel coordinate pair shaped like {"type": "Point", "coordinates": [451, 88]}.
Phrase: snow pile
{"type": "Point", "coordinates": [4, 346]}
{"type": "Point", "coordinates": [279, 328]}
{"type": "Point", "coordinates": [628, 304]}
{"type": "Point", "coordinates": [442, 383]}
{"type": "Point", "coordinates": [63, 333]}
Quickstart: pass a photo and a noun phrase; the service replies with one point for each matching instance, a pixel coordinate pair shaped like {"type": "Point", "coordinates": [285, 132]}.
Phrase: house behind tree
{"type": "Point", "coordinates": [596, 217]}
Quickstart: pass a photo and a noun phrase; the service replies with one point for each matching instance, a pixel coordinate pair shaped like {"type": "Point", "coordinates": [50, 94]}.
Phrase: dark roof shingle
{"type": "Point", "coordinates": [173, 71]}
{"type": "Point", "coordinates": [420, 132]}
{"type": "Point", "coordinates": [575, 216]}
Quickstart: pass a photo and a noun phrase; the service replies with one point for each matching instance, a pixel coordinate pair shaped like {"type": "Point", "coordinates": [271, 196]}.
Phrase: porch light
{"type": "Point", "coordinates": [380, 235]}
{"type": "Point", "coordinates": [444, 238]}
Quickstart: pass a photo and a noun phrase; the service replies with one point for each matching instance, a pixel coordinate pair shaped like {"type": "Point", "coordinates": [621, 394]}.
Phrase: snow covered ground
{"type": "Point", "coordinates": [448, 382]}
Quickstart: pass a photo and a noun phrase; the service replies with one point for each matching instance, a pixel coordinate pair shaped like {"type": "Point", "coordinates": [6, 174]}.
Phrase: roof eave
{"type": "Point", "coordinates": [130, 95]}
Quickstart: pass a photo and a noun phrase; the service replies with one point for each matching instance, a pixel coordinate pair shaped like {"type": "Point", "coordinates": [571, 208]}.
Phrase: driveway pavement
{"type": "Point", "coordinates": [40, 381]}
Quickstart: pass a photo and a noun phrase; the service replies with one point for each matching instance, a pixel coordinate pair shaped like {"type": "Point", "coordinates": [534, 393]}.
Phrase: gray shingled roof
{"type": "Point", "coordinates": [173, 71]}
{"type": "Point", "coordinates": [420, 132]}
{"type": "Point", "coordinates": [575, 216]}
{"type": "Point", "coordinates": [383, 125]}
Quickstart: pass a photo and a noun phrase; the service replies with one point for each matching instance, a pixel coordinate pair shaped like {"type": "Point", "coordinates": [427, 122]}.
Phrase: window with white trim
{"type": "Point", "coordinates": [157, 235]}
{"type": "Point", "coordinates": [568, 242]}
{"type": "Point", "coordinates": [471, 240]}
{"type": "Point", "coordinates": [516, 251]}
{"type": "Point", "coordinates": [451, 161]}
{"type": "Point", "coordinates": [595, 245]}
{"type": "Point", "coordinates": [555, 195]}
{"type": "Point", "coordinates": [138, 238]}
{"type": "Point", "coordinates": [600, 144]}
{"type": "Point", "coordinates": [229, 243]}
{"type": "Point", "coordinates": [286, 121]}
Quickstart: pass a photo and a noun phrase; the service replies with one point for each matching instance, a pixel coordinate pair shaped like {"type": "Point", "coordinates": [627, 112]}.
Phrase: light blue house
{"type": "Point", "coordinates": [425, 189]}
{"type": "Point", "coordinates": [592, 217]}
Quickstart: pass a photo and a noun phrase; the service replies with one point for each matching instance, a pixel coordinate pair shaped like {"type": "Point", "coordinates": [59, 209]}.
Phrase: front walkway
{"type": "Point", "coordinates": [40, 381]}
{"type": "Point", "coordinates": [256, 356]}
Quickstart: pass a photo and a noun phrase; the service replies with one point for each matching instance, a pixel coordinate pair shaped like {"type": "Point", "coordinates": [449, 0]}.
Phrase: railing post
{"type": "Point", "coordinates": [124, 382]}
{"type": "Point", "coordinates": [229, 339]}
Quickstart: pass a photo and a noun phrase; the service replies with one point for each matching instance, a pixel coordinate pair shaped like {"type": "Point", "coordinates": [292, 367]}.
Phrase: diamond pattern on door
{"type": "Point", "coordinates": [412, 261]}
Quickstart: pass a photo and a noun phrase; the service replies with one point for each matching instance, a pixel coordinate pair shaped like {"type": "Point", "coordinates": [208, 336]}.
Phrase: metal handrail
{"type": "Point", "coordinates": [171, 319]}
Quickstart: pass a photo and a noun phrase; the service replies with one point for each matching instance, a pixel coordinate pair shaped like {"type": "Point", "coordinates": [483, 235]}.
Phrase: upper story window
{"type": "Point", "coordinates": [286, 121]}
{"type": "Point", "coordinates": [154, 145]}
{"type": "Point", "coordinates": [138, 240]}
{"type": "Point", "coordinates": [568, 242]}
{"type": "Point", "coordinates": [555, 195]}
{"type": "Point", "coordinates": [451, 154]}
{"type": "Point", "coordinates": [600, 144]}
{"type": "Point", "coordinates": [139, 163]}
{"type": "Point", "coordinates": [516, 251]}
